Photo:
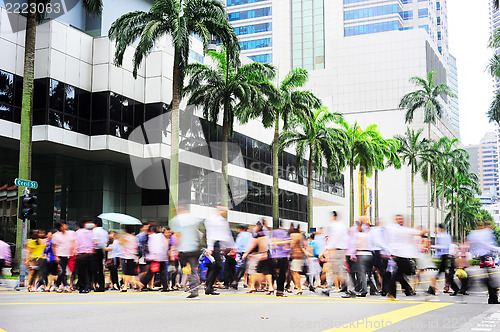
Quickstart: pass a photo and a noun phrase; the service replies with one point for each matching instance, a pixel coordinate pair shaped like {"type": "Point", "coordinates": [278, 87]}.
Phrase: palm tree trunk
{"type": "Point", "coordinates": [225, 179]}
{"type": "Point", "coordinates": [362, 191]}
{"type": "Point", "coordinates": [26, 117]}
{"type": "Point", "coordinates": [435, 206]}
{"type": "Point", "coordinates": [276, 198]}
{"type": "Point", "coordinates": [174, 148]}
{"type": "Point", "coordinates": [452, 213]}
{"type": "Point", "coordinates": [412, 198]}
{"type": "Point", "coordinates": [310, 189]}
{"type": "Point", "coordinates": [351, 198]}
{"type": "Point", "coordinates": [225, 137]}
{"type": "Point", "coordinates": [429, 188]}
{"type": "Point", "coordinates": [442, 202]}
{"type": "Point", "coordinates": [456, 217]}
{"type": "Point", "coordinates": [376, 196]}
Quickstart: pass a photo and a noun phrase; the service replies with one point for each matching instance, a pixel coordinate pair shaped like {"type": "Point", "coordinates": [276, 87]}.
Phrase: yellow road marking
{"type": "Point", "coordinates": [179, 301]}
{"type": "Point", "coordinates": [377, 322]}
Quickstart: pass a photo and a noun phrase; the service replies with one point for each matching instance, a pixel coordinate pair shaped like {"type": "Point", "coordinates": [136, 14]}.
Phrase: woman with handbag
{"type": "Point", "coordinates": [156, 257]}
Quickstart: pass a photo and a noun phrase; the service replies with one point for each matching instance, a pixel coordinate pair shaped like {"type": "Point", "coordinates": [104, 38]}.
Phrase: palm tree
{"type": "Point", "coordinates": [463, 187]}
{"type": "Point", "coordinates": [315, 135]}
{"type": "Point", "coordinates": [179, 19]}
{"type": "Point", "coordinates": [283, 101]}
{"type": "Point", "coordinates": [229, 88]}
{"type": "Point", "coordinates": [387, 156]}
{"type": "Point", "coordinates": [411, 150]}
{"type": "Point", "coordinates": [32, 18]}
{"type": "Point", "coordinates": [426, 98]}
{"type": "Point", "coordinates": [494, 110]}
{"type": "Point", "coordinates": [360, 150]}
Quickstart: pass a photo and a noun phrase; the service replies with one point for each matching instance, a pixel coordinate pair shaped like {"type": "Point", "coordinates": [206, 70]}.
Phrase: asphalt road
{"type": "Point", "coordinates": [237, 311]}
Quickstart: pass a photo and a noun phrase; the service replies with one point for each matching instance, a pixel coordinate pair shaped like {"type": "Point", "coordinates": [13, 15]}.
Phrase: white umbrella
{"type": "Point", "coordinates": [120, 218]}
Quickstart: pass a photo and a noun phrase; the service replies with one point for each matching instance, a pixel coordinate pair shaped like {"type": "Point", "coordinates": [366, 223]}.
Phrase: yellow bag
{"type": "Point", "coordinates": [461, 274]}
{"type": "Point", "coordinates": [187, 269]}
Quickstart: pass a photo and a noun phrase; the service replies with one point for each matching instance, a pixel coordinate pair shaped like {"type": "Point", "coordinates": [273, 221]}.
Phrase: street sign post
{"type": "Point", "coordinates": [26, 183]}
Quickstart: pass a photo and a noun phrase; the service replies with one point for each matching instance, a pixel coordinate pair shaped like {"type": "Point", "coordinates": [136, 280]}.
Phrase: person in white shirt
{"type": "Point", "coordinates": [443, 242]}
{"type": "Point", "coordinates": [100, 237]}
{"type": "Point", "coordinates": [336, 244]}
{"type": "Point", "coordinates": [403, 249]}
{"type": "Point", "coordinates": [482, 245]}
{"type": "Point", "coordinates": [156, 257]}
{"type": "Point", "coordinates": [63, 244]}
{"type": "Point", "coordinates": [381, 253]}
{"type": "Point", "coordinates": [219, 237]}
{"type": "Point", "coordinates": [363, 255]}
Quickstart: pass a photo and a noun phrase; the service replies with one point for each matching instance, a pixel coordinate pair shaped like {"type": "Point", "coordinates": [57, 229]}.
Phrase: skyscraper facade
{"type": "Point", "coordinates": [360, 55]}
{"type": "Point", "coordinates": [488, 163]}
{"type": "Point", "coordinates": [252, 21]}
{"type": "Point", "coordinates": [453, 84]}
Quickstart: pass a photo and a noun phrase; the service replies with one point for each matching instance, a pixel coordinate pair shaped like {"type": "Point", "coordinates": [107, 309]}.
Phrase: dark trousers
{"type": "Point", "coordinates": [146, 278]}
{"type": "Point", "coordinates": [449, 275]}
{"type": "Point", "coordinates": [172, 276]}
{"type": "Point", "coordinates": [191, 257]}
{"type": "Point", "coordinates": [403, 267]}
{"type": "Point", "coordinates": [241, 270]}
{"type": "Point", "coordinates": [353, 273]}
{"type": "Point", "coordinates": [282, 265]}
{"type": "Point", "coordinates": [84, 263]}
{"type": "Point", "coordinates": [229, 270]}
{"type": "Point", "coordinates": [62, 278]}
{"type": "Point", "coordinates": [491, 284]}
{"type": "Point", "coordinates": [113, 271]}
{"type": "Point", "coordinates": [97, 269]}
{"type": "Point", "coordinates": [214, 268]}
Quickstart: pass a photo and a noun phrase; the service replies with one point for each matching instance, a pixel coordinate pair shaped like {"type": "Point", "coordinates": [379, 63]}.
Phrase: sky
{"type": "Point", "coordinates": [468, 33]}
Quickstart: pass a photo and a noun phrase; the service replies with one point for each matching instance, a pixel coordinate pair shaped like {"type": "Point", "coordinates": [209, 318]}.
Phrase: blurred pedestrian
{"type": "Point", "coordinates": [84, 254]}
{"type": "Point", "coordinates": [482, 245]}
{"type": "Point", "coordinates": [129, 259]}
{"type": "Point", "coordinates": [63, 242]}
{"type": "Point", "coordinates": [186, 225]}
{"type": "Point", "coordinates": [5, 256]}
{"type": "Point", "coordinates": [100, 237]}
{"type": "Point", "coordinates": [219, 237]}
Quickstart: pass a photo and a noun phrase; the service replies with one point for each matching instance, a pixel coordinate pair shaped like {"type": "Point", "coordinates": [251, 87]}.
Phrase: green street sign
{"type": "Point", "coordinates": [26, 183]}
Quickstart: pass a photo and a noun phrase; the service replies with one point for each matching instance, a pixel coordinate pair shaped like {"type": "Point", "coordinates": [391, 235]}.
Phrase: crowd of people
{"type": "Point", "coordinates": [358, 260]}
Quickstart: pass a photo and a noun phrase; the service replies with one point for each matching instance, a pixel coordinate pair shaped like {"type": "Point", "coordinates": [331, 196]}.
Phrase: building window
{"type": "Point", "coordinates": [256, 28]}
{"type": "Point", "coordinates": [422, 13]}
{"type": "Point", "coordinates": [370, 12]}
{"type": "Point", "coordinates": [11, 90]}
{"type": "Point", "coordinates": [407, 15]}
{"type": "Point", "coordinates": [426, 27]}
{"type": "Point", "coordinates": [258, 43]}
{"type": "Point", "coordinates": [262, 58]}
{"type": "Point", "coordinates": [372, 28]}
{"type": "Point", "coordinates": [439, 20]}
{"type": "Point", "coordinates": [240, 2]}
{"type": "Point", "coordinates": [438, 5]}
{"type": "Point", "coordinates": [439, 35]}
{"type": "Point", "coordinates": [406, 1]}
{"type": "Point", "coordinates": [250, 14]}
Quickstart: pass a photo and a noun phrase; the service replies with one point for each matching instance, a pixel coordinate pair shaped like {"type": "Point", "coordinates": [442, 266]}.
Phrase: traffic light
{"type": "Point", "coordinates": [27, 207]}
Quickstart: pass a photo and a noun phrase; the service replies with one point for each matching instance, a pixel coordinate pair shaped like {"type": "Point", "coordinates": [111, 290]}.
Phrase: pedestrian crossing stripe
{"type": "Point", "coordinates": [380, 321]}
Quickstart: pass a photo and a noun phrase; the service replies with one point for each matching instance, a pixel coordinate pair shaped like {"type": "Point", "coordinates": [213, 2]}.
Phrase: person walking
{"type": "Point", "coordinates": [243, 242]}
{"type": "Point", "coordinates": [186, 225]}
{"type": "Point", "coordinates": [100, 237]}
{"type": "Point", "coordinates": [334, 252]}
{"type": "Point", "coordinates": [482, 245]}
{"type": "Point", "coordinates": [114, 251]}
{"type": "Point", "coordinates": [156, 257]}
{"type": "Point", "coordinates": [280, 251]}
{"type": "Point", "coordinates": [443, 243]}
{"type": "Point", "coordinates": [401, 242]}
{"type": "Point", "coordinates": [84, 254]}
{"type": "Point", "coordinates": [219, 237]}
{"type": "Point", "coordinates": [5, 256]}
{"type": "Point", "coordinates": [129, 258]}
{"type": "Point", "coordinates": [63, 242]}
